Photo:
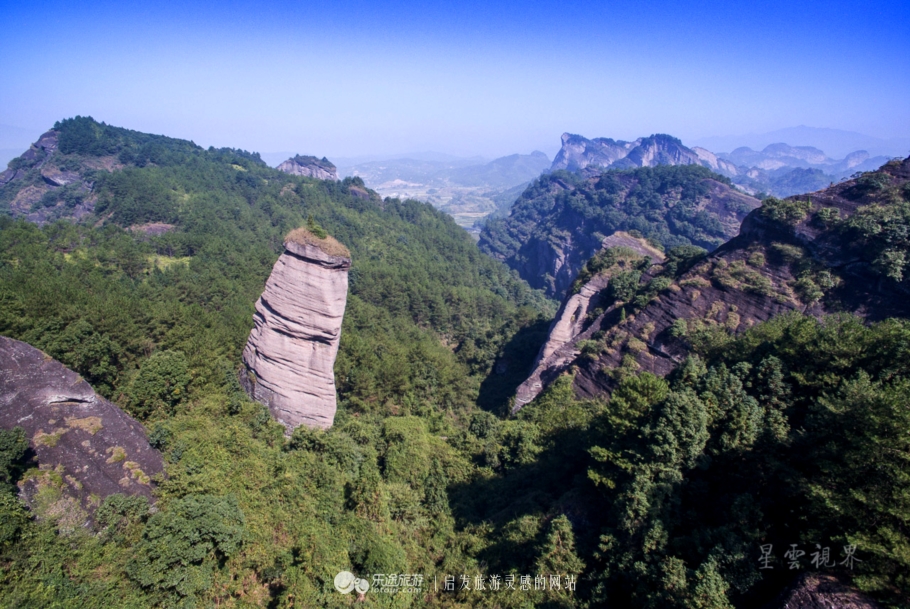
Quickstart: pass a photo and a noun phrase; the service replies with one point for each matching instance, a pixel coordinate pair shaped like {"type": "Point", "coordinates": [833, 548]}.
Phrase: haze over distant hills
{"type": "Point", "coordinates": [836, 142]}
{"type": "Point", "coordinates": [779, 169]}
{"type": "Point", "coordinates": [468, 189]}
{"type": "Point", "coordinates": [782, 163]}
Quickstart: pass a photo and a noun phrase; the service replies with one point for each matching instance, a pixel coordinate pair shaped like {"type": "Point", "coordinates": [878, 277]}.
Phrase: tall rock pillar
{"type": "Point", "coordinates": [288, 360]}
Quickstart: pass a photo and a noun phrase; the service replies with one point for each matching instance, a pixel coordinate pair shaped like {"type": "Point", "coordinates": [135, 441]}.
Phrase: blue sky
{"type": "Point", "coordinates": [488, 78]}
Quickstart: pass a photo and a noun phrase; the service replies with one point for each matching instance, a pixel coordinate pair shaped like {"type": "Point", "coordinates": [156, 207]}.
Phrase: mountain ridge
{"type": "Point", "coordinates": [811, 254]}
{"type": "Point", "coordinates": [559, 222]}
{"type": "Point", "coordinates": [773, 170]}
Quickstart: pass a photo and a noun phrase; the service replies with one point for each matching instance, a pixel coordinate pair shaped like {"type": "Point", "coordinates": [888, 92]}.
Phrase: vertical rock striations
{"type": "Point", "coordinates": [289, 357]}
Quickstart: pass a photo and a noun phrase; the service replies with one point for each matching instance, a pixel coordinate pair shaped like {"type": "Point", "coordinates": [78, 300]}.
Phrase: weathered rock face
{"type": "Point", "coordinates": [37, 175]}
{"type": "Point", "coordinates": [310, 166]}
{"type": "Point", "coordinates": [778, 169]}
{"type": "Point", "coordinates": [85, 446]}
{"type": "Point", "coordinates": [572, 323]}
{"type": "Point", "coordinates": [289, 357]}
{"type": "Point", "coordinates": [752, 278]}
{"type": "Point", "coordinates": [716, 163]}
{"type": "Point", "coordinates": [578, 152]}
{"type": "Point", "coordinates": [821, 591]}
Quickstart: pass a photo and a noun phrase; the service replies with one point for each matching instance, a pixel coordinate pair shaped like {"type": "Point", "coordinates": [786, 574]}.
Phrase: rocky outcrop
{"type": "Point", "coordinates": [821, 591]}
{"type": "Point", "coordinates": [36, 177]}
{"type": "Point", "coordinates": [779, 169]}
{"type": "Point", "coordinates": [578, 152]}
{"type": "Point", "coordinates": [86, 448]}
{"type": "Point", "coordinates": [289, 357]}
{"type": "Point", "coordinates": [310, 166]}
{"type": "Point", "coordinates": [572, 322]}
{"type": "Point", "coordinates": [716, 163]}
{"type": "Point", "coordinates": [814, 265]}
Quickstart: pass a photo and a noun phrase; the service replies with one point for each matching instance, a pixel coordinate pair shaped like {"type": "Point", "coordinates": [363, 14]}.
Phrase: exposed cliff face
{"type": "Point", "coordinates": [36, 187]}
{"type": "Point", "coordinates": [572, 322]}
{"type": "Point", "coordinates": [289, 357]}
{"type": "Point", "coordinates": [779, 169]}
{"type": "Point", "coordinates": [578, 152]}
{"type": "Point", "coordinates": [793, 255]}
{"type": "Point", "coordinates": [86, 447]}
{"type": "Point", "coordinates": [716, 163]}
{"type": "Point", "coordinates": [310, 166]}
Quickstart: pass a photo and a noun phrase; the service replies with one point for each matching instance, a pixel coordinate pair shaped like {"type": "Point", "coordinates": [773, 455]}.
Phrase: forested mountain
{"type": "Point", "coordinates": [652, 492]}
{"type": "Point", "coordinates": [156, 284]}
{"type": "Point", "coordinates": [751, 410]}
{"type": "Point", "coordinates": [843, 249]}
{"type": "Point", "coordinates": [560, 221]}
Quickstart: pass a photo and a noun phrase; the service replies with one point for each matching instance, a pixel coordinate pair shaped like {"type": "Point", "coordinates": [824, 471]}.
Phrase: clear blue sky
{"type": "Point", "coordinates": [479, 77]}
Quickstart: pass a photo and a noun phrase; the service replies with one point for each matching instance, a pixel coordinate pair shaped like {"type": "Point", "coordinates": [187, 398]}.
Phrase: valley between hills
{"type": "Point", "coordinates": [649, 376]}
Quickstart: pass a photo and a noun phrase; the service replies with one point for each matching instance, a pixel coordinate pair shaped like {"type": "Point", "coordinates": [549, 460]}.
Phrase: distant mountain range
{"type": "Point", "coordinates": [836, 142]}
{"type": "Point", "coordinates": [471, 189]}
{"type": "Point", "coordinates": [778, 169]}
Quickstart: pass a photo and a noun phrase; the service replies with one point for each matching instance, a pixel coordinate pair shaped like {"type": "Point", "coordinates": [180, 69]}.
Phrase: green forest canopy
{"type": "Point", "coordinates": [795, 432]}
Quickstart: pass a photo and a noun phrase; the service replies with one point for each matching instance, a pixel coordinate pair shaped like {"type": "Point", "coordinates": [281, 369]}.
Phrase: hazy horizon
{"type": "Point", "coordinates": [487, 79]}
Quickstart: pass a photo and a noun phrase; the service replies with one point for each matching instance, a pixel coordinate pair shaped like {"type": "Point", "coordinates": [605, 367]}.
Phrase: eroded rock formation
{"type": "Point", "coordinates": [290, 355]}
{"type": "Point", "coordinates": [555, 227]}
{"type": "Point", "coordinates": [310, 166]}
{"type": "Point", "coordinates": [758, 275]}
{"type": "Point", "coordinates": [38, 174]}
{"type": "Point", "coordinates": [86, 447]}
{"type": "Point", "coordinates": [572, 322]}
{"type": "Point", "coordinates": [578, 152]}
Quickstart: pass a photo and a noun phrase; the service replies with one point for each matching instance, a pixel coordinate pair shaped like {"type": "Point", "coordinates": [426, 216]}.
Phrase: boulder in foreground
{"type": "Point", "coordinates": [86, 447]}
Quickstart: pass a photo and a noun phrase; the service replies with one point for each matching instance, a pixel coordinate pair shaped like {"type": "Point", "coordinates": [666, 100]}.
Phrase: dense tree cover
{"type": "Point", "coordinates": [880, 225]}
{"type": "Point", "coordinates": [661, 203]}
{"type": "Point", "coordinates": [795, 432]}
{"type": "Point", "coordinates": [788, 182]}
{"type": "Point", "coordinates": [157, 322]}
{"type": "Point", "coordinates": [884, 226]}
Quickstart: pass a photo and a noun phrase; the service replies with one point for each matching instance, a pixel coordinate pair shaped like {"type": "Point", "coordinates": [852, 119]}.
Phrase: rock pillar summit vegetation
{"type": "Point", "coordinates": [289, 358]}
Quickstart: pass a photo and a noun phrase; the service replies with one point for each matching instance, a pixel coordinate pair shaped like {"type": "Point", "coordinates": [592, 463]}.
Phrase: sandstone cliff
{"type": "Point", "coordinates": [86, 447]}
{"type": "Point", "coordinates": [572, 323]}
{"type": "Point", "coordinates": [310, 167]}
{"type": "Point", "coordinates": [779, 169]}
{"type": "Point", "coordinates": [802, 254]}
{"type": "Point", "coordinates": [289, 357]}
